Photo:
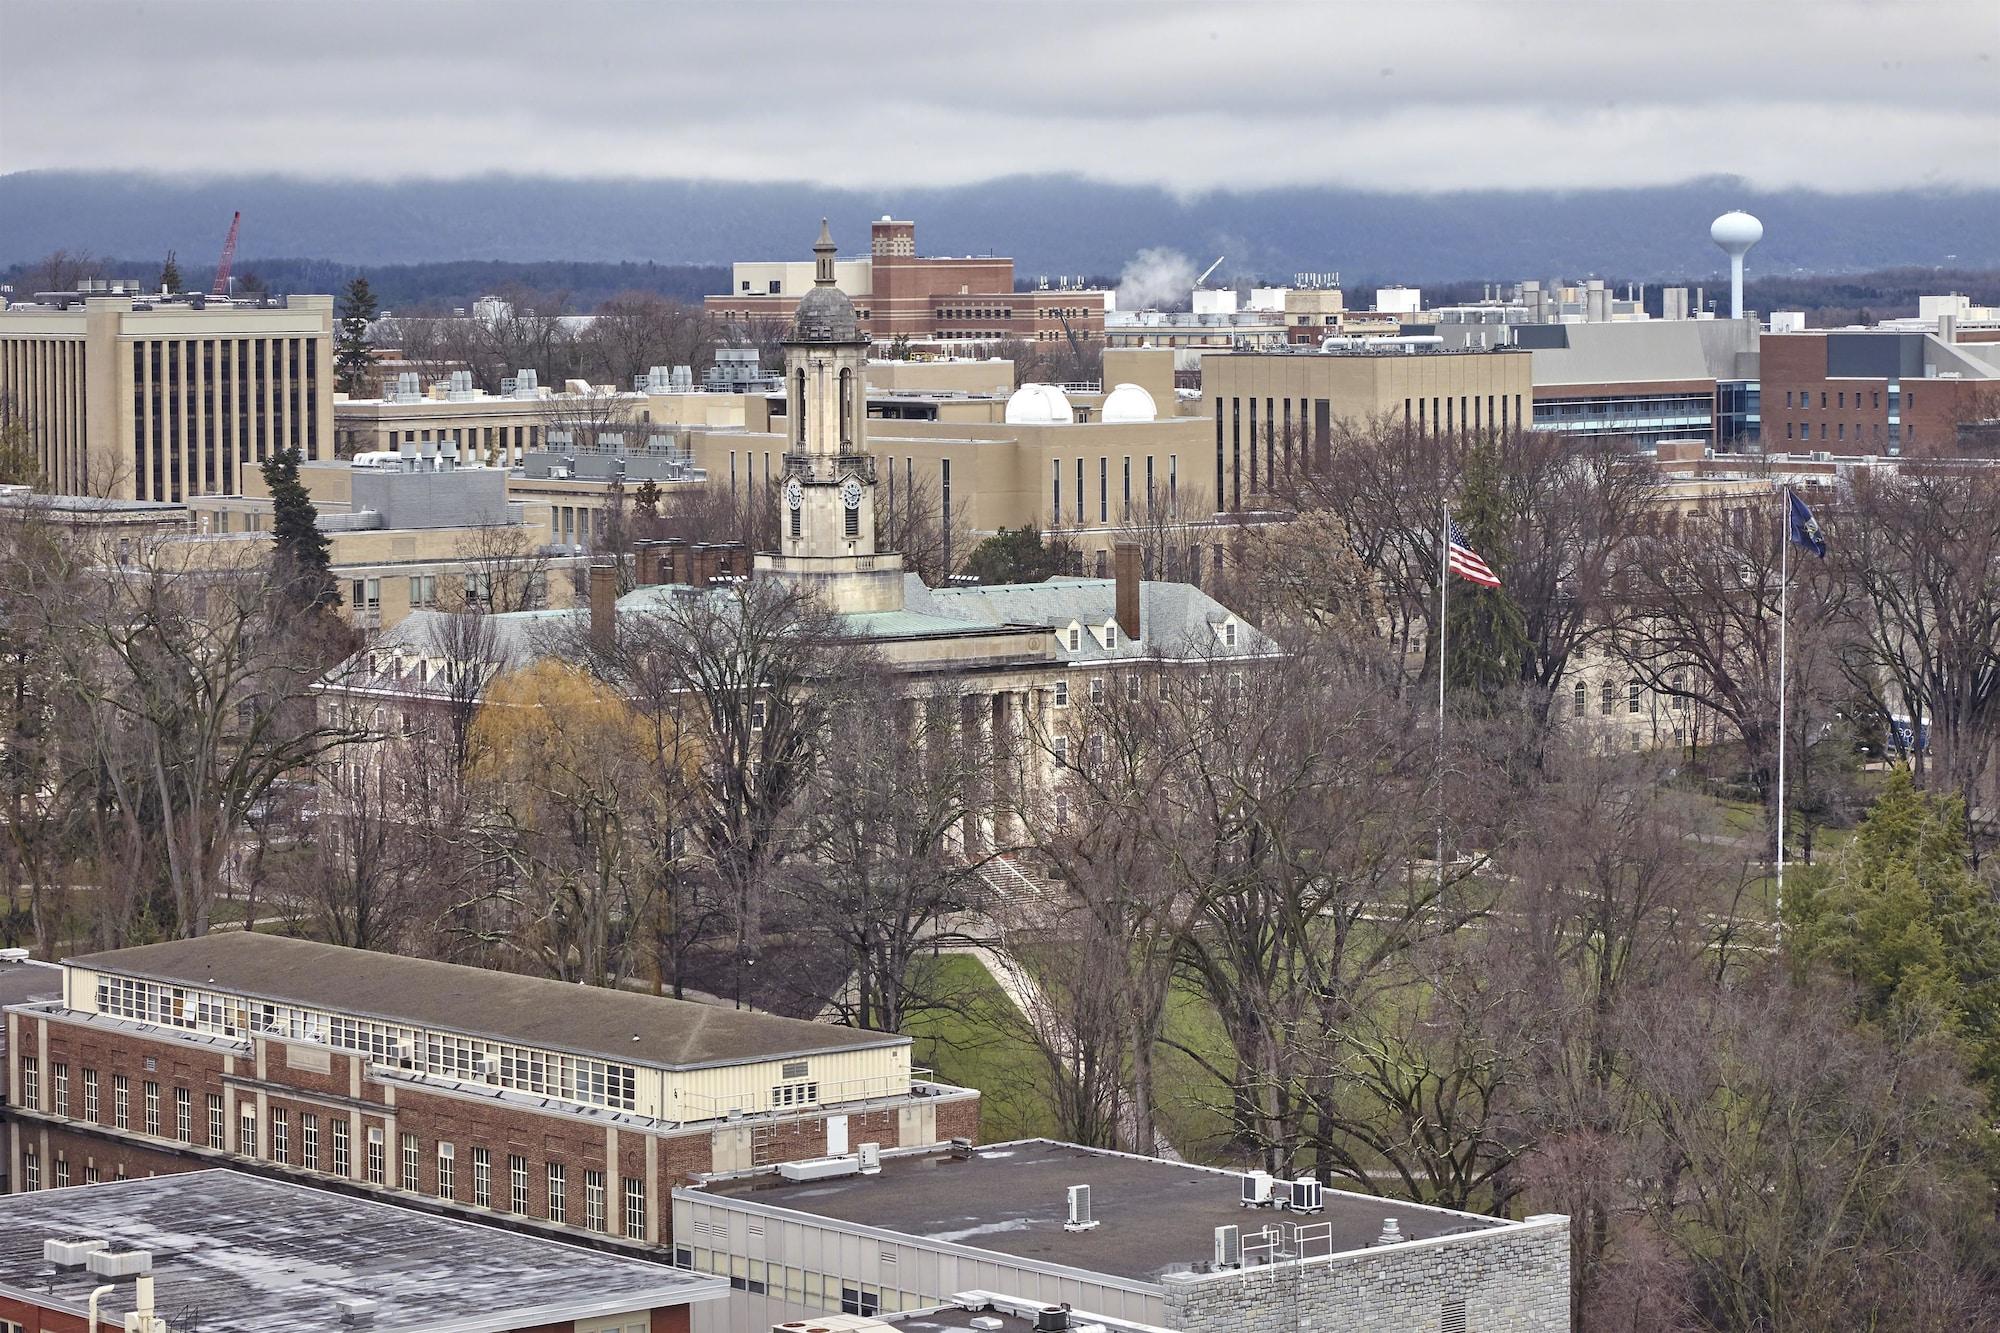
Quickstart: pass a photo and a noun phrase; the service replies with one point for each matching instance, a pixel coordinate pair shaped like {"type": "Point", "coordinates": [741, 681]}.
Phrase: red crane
{"type": "Point", "coordinates": [221, 287]}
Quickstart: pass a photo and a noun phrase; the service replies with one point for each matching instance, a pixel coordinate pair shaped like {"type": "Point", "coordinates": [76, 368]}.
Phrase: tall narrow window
{"type": "Point", "coordinates": [309, 1140]}
{"type": "Point", "coordinates": [482, 1177]}
{"type": "Point", "coordinates": [447, 1172]}
{"type": "Point", "coordinates": [246, 1132]}
{"type": "Point", "coordinates": [343, 1157]}
{"type": "Point", "coordinates": [517, 1182]}
{"type": "Point", "coordinates": [799, 406]}
{"type": "Point", "coordinates": [215, 1120]}
{"type": "Point", "coordinates": [378, 1168]}
{"type": "Point", "coordinates": [62, 1088]}
{"type": "Point", "coordinates": [411, 1150]}
{"type": "Point", "coordinates": [593, 1200]}
{"type": "Point", "coordinates": [846, 410]}
{"type": "Point", "coordinates": [90, 1103]}
{"type": "Point", "coordinates": [183, 1115]}
{"type": "Point", "coordinates": [558, 1193]}
{"type": "Point", "coordinates": [153, 1108]}
{"type": "Point", "coordinates": [281, 1135]}
{"type": "Point", "coordinates": [635, 1208]}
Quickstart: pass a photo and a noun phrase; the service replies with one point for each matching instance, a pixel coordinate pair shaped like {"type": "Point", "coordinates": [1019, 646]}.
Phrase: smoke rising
{"type": "Point", "coordinates": [1155, 277]}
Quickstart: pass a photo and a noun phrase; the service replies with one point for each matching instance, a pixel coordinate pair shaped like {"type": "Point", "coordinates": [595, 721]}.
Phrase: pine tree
{"type": "Point", "coordinates": [351, 361]}
{"type": "Point", "coordinates": [170, 275]}
{"type": "Point", "coordinates": [1486, 634]}
{"type": "Point", "coordinates": [302, 554]}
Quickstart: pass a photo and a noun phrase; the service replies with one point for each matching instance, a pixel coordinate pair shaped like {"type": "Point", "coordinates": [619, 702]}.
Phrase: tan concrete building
{"type": "Point", "coordinates": [165, 398]}
{"type": "Point", "coordinates": [1271, 412]}
{"type": "Point", "coordinates": [404, 537]}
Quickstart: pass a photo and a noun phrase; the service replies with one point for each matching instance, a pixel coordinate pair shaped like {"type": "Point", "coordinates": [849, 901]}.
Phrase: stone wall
{"type": "Point", "coordinates": [1514, 1280]}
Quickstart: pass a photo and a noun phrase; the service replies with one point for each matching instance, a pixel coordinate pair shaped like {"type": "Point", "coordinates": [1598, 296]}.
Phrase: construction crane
{"type": "Point", "coordinates": [221, 287]}
{"type": "Point", "coordinates": [1210, 269]}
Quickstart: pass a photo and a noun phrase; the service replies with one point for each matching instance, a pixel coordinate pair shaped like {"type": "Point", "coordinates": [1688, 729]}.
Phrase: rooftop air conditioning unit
{"type": "Point", "coordinates": [1257, 1189]}
{"type": "Point", "coordinates": [71, 1253]}
{"type": "Point", "coordinates": [119, 1263]}
{"type": "Point", "coordinates": [871, 1158]}
{"type": "Point", "coordinates": [1228, 1247]}
{"type": "Point", "coordinates": [1306, 1197]}
{"type": "Point", "coordinates": [1079, 1209]}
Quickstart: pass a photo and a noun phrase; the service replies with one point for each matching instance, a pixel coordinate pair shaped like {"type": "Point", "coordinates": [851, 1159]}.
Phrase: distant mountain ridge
{"type": "Point", "coordinates": [1050, 224]}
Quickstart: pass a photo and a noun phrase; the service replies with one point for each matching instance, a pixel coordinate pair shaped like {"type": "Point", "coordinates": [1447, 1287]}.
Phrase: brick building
{"type": "Point", "coordinates": [930, 300]}
{"type": "Point", "coordinates": [1861, 392]}
{"type": "Point", "coordinates": [558, 1109]}
{"type": "Point", "coordinates": [225, 1252]}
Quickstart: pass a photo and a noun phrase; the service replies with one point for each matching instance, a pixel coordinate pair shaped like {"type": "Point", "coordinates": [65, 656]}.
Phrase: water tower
{"type": "Point", "coordinates": [1736, 232]}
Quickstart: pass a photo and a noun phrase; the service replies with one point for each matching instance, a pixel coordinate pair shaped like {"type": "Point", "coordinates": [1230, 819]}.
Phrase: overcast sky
{"type": "Point", "coordinates": [1373, 95]}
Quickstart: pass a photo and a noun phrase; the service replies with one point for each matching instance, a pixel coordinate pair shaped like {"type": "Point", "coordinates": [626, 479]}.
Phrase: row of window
{"type": "Point", "coordinates": [798, 1286]}
{"type": "Point", "coordinates": [1608, 696]}
{"type": "Point", "coordinates": [1840, 398]}
{"type": "Point", "coordinates": [1126, 510]}
{"type": "Point", "coordinates": [121, 1101]}
{"type": "Point", "coordinates": [544, 1073]}
{"type": "Point", "coordinates": [1805, 432]}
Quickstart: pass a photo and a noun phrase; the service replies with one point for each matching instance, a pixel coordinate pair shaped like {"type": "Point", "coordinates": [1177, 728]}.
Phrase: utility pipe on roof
{"type": "Point", "coordinates": [95, 1296]}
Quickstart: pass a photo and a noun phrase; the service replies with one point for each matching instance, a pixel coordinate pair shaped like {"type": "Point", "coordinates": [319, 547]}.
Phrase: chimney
{"type": "Point", "coordinates": [1126, 567]}
{"type": "Point", "coordinates": [603, 604]}
{"type": "Point", "coordinates": [645, 563]}
{"type": "Point", "coordinates": [1948, 328]}
{"type": "Point", "coordinates": [703, 558]}
{"type": "Point", "coordinates": [674, 561]}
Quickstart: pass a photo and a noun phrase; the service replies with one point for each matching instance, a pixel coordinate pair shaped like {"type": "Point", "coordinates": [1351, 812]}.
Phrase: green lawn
{"type": "Point", "coordinates": [978, 1040]}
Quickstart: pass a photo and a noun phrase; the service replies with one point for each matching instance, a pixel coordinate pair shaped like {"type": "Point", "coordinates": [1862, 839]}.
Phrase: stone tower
{"type": "Point", "coordinates": [827, 512]}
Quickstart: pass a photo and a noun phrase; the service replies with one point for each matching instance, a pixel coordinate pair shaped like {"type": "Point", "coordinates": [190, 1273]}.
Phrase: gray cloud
{"type": "Point", "coordinates": [1379, 95]}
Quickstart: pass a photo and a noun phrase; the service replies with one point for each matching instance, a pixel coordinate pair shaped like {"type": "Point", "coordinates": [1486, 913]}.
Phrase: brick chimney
{"type": "Point", "coordinates": [603, 604]}
{"type": "Point", "coordinates": [1125, 565]}
{"type": "Point", "coordinates": [645, 563]}
{"type": "Point", "coordinates": [675, 564]}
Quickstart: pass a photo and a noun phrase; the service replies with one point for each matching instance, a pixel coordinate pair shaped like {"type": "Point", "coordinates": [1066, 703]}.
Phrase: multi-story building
{"type": "Point", "coordinates": [214, 1251]}
{"type": "Point", "coordinates": [1103, 1236]}
{"type": "Point", "coordinates": [563, 1110]}
{"type": "Point", "coordinates": [1863, 391]}
{"type": "Point", "coordinates": [1644, 382]}
{"type": "Point", "coordinates": [929, 300]}
{"type": "Point", "coordinates": [405, 531]}
{"type": "Point", "coordinates": [166, 398]}
{"type": "Point", "coordinates": [1270, 413]}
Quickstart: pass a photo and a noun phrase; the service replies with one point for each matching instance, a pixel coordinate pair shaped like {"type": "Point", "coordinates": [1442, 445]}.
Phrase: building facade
{"type": "Point", "coordinates": [167, 398]}
{"type": "Point", "coordinates": [557, 1109]}
{"type": "Point", "coordinates": [931, 301]}
{"type": "Point", "coordinates": [1272, 413]}
{"type": "Point", "coordinates": [1861, 392]}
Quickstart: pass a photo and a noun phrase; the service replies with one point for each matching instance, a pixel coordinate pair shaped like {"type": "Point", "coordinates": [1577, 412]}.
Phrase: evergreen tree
{"type": "Point", "coordinates": [170, 275]}
{"type": "Point", "coordinates": [351, 361]}
{"type": "Point", "coordinates": [1018, 555]}
{"type": "Point", "coordinates": [302, 550]}
{"type": "Point", "coordinates": [1486, 634]}
{"type": "Point", "coordinates": [1903, 913]}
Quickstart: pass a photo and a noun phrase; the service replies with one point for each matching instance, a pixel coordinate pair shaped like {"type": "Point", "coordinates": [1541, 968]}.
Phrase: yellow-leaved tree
{"type": "Point", "coordinates": [563, 772]}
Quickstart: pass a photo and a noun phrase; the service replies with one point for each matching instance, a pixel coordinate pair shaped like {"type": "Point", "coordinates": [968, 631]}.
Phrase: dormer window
{"type": "Point", "coordinates": [1110, 634]}
{"type": "Point", "coordinates": [1228, 634]}
{"type": "Point", "coordinates": [1073, 636]}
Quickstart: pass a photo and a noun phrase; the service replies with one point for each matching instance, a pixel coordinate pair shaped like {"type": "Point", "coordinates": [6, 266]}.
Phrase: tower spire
{"type": "Point", "coordinates": [823, 257]}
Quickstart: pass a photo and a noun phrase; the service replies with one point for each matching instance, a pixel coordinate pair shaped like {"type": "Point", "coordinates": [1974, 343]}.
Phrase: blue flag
{"type": "Point", "coordinates": [1805, 528]}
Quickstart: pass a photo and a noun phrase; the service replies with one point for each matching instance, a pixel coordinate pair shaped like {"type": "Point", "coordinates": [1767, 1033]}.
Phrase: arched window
{"type": "Point", "coordinates": [799, 405]}
{"type": "Point", "coordinates": [1577, 707]}
{"type": "Point", "coordinates": [846, 410]}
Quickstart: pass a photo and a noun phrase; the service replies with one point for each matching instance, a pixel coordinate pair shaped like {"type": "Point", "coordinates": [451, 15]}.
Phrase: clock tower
{"type": "Point", "coordinates": [826, 514]}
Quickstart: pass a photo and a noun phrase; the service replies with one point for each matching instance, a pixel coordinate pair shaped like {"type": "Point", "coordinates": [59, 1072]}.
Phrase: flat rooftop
{"type": "Point", "coordinates": [476, 1001]}
{"type": "Point", "coordinates": [241, 1254]}
{"type": "Point", "coordinates": [1153, 1216]}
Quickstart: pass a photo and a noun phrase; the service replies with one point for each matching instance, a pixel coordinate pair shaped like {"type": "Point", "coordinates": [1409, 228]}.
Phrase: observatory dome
{"type": "Point", "coordinates": [1039, 405]}
{"type": "Point", "coordinates": [1129, 402]}
{"type": "Point", "coordinates": [1736, 231]}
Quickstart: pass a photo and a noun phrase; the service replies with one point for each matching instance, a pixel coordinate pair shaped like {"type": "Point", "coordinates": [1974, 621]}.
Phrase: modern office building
{"type": "Point", "coordinates": [1645, 382]}
{"type": "Point", "coordinates": [216, 1251]}
{"type": "Point", "coordinates": [1131, 1240]}
{"type": "Point", "coordinates": [1865, 391]}
{"type": "Point", "coordinates": [561, 1110]}
{"type": "Point", "coordinates": [933, 301]}
{"type": "Point", "coordinates": [165, 398]}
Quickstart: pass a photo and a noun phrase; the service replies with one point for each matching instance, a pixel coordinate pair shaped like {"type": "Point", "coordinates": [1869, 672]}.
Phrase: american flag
{"type": "Point", "coordinates": [1463, 561]}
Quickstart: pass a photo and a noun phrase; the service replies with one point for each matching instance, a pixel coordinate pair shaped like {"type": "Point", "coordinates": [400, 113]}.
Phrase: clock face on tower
{"type": "Point", "coordinates": [795, 494]}
{"type": "Point", "coordinates": [850, 493]}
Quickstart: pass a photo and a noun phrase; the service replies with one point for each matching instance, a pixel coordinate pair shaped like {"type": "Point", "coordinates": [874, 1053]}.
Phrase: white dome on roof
{"type": "Point", "coordinates": [1039, 405]}
{"type": "Point", "coordinates": [1129, 402]}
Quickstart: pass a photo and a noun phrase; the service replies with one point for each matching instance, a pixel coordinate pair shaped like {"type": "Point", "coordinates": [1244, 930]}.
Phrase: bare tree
{"type": "Point", "coordinates": [505, 570]}
{"type": "Point", "coordinates": [636, 331]}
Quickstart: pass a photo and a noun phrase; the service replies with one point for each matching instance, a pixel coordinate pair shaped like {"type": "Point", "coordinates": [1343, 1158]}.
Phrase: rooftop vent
{"type": "Point", "coordinates": [1257, 1189]}
{"type": "Point", "coordinates": [961, 1148]}
{"type": "Point", "coordinates": [1228, 1247]}
{"type": "Point", "coordinates": [871, 1158]}
{"type": "Point", "coordinates": [1079, 1209]}
{"type": "Point", "coordinates": [1051, 1319]}
{"type": "Point", "coordinates": [355, 1311]}
{"type": "Point", "coordinates": [1305, 1195]}
{"type": "Point", "coordinates": [824, 1168]}
{"type": "Point", "coordinates": [13, 955]}
{"type": "Point", "coordinates": [987, 1323]}
{"type": "Point", "coordinates": [1391, 1233]}
{"type": "Point", "coordinates": [71, 1253]}
{"type": "Point", "coordinates": [120, 1263]}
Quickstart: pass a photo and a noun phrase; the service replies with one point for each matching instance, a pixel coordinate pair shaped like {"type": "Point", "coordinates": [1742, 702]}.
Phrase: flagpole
{"type": "Point", "coordinates": [1444, 582]}
{"type": "Point", "coordinates": [1784, 582]}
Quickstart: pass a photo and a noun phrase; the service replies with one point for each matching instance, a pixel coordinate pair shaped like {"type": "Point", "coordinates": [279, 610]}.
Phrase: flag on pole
{"type": "Point", "coordinates": [1804, 527]}
{"type": "Point", "coordinates": [1463, 561]}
